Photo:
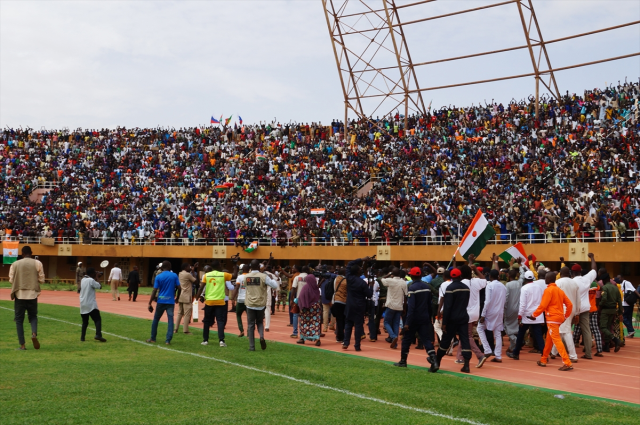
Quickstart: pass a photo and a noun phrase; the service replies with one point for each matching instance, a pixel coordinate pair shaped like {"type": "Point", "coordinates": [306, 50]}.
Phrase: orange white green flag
{"type": "Point", "coordinates": [479, 232]}
{"type": "Point", "coordinates": [9, 252]}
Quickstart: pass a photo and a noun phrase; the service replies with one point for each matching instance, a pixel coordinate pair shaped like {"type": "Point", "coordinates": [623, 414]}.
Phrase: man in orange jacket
{"type": "Point", "coordinates": [557, 307]}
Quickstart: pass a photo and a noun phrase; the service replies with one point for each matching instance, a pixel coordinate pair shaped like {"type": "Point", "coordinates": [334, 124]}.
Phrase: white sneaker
{"type": "Point", "coordinates": [222, 344]}
{"type": "Point", "coordinates": [204, 343]}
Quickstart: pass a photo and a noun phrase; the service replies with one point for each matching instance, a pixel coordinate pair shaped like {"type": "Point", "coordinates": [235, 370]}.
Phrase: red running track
{"type": "Point", "coordinates": [615, 376]}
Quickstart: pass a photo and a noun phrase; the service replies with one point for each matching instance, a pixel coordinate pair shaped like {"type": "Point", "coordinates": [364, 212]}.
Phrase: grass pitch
{"type": "Point", "coordinates": [124, 381]}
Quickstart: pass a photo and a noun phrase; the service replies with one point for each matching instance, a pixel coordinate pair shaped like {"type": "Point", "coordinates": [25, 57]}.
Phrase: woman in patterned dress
{"type": "Point", "coordinates": [310, 311]}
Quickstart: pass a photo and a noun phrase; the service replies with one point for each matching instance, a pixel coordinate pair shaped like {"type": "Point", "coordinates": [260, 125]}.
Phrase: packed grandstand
{"type": "Point", "coordinates": [572, 174]}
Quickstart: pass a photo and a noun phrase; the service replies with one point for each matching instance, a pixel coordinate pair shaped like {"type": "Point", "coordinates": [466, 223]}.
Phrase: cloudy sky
{"type": "Point", "coordinates": [147, 63]}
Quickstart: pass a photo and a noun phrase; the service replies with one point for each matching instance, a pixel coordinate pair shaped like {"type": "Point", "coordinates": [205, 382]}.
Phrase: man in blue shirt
{"type": "Point", "coordinates": [164, 291]}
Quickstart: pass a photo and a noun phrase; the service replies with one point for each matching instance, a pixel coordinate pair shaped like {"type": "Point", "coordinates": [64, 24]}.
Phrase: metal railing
{"type": "Point", "coordinates": [506, 239]}
{"type": "Point", "coordinates": [47, 185]}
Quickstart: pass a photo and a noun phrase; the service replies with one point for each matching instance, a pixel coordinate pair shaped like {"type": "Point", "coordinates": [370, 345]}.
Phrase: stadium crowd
{"type": "Point", "coordinates": [572, 173]}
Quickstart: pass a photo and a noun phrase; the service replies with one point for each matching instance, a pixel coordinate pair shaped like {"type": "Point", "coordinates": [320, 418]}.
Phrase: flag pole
{"type": "Point", "coordinates": [454, 256]}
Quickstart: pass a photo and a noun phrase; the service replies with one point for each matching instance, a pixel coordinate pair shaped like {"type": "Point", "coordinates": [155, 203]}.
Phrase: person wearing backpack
{"type": "Point", "coordinates": [629, 299]}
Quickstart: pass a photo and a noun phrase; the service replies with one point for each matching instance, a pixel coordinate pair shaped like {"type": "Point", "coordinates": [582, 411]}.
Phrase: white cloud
{"type": "Point", "coordinates": [100, 63]}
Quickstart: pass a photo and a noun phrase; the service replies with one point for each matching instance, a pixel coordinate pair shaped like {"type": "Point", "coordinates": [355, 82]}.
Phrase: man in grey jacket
{"type": "Point", "coordinates": [89, 306]}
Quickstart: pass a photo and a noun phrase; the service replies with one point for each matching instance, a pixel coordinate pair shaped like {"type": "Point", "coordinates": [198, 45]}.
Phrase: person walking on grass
{"type": "Point", "coordinates": [133, 282]}
{"type": "Point", "coordinates": [115, 277]}
{"type": "Point", "coordinates": [557, 307]}
{"type": "Point", "coordinates": [164, 292]}
{"type": "Point", "coordinates": [25, 276]}
{"type": "Point", "coordinates": [88, 304]}
{"type": "Point", "coordinates": [240, 290]}
{"type": "Point", "coordinates": [418, 320]}
{"type": "Point", "coordinates": [215, 306]}
{"type": "Point", "coordinates": [256, 284]}
{"type": "Point", "coordinates": [185, 299]}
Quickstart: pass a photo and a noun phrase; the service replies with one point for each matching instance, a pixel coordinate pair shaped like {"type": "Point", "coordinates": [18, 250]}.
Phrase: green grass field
{"type": "Point", "coordinates": [124, 381]}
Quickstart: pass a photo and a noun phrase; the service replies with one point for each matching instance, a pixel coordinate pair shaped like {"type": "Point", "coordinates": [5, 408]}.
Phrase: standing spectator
{"type": "Point", "coordinates": [25, 276]}
{"type": "Point", "coordinates": [339, 303]}
{"type": "Point", "coordinates": [357, 293]}
{"type": "Point", "coordinates": [215, 307]}
{"type": "Point", "coordinates": [79, 275]}
{"type": "Point", "coordinates": [610, 306]}
{"type": "Point", "coordinates": [115, 277]}
{"type": "Point", "coordinates": [310, 311]}
{"type": "Point", "coordinates": [256, 302]}
{"type": "Point", "coordinates": [185, 299]}
{"type": "Point", "coordinates": [587, 325]}
{"type": "Point", "coordinates": [164, 292]}
{"type": "Point", "coordinates": [133, 282]}
{"type": "Point", "coordinates": [627, 315]}
{"type": "Point", "coordinates": [89, 306]}
{"type": "Point", "coordinates": [396, 292]}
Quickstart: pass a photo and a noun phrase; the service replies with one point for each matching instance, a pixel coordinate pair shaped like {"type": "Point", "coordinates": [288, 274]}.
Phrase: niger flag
{"type": "Point", "coordinates": [477, 236]}
{"type": "Point", "coordinates": [9, 252]}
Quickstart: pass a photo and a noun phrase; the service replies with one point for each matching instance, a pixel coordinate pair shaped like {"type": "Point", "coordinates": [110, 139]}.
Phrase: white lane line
{"type": "Point", "coordinates": [280, 375]}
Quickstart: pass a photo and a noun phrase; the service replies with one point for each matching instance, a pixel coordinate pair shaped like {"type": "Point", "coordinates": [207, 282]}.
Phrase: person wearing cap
{"type": "Point", "coordinates": [491, 318]}
{"type": "Point", "coordinates": [572, 291]}
{"type": "Point", "coordinates": [418, 320]}
{"type": "Point", "coordinates": [530, 297]}
{"type": "Point", "coordinates": [455, 319]}
{"type": "Point", "coordinates": [435, 289]}
{"type": "Point", "coordinates": [79, 276]}
{"type": "Point", "coordinates": [588, 315]}
{"type": "Point", "coordinates": [475, 284]}
{"type": "Point", "coordinates": [557, 308]}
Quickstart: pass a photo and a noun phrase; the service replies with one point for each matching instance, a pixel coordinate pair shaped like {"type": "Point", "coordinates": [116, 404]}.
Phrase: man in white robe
{"type": "Point", "coordinates": [491, 318]}
{"type": "Point", "coordinates": [572, 291]}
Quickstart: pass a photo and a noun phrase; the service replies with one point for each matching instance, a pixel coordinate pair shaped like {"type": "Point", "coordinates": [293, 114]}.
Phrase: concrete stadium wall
{"type": "Point", "coordinates": [60, 261]}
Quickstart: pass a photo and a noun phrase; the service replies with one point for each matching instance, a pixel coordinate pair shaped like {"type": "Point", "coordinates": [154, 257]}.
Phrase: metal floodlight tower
{"type": "Point", "coordinates": [374, 63]}
{"type": "Point", "coordinates": [377, 73]}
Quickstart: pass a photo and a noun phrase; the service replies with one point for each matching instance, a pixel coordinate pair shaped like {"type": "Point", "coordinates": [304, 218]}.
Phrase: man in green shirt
{"type": "Point", "coordinates": [610, 305]}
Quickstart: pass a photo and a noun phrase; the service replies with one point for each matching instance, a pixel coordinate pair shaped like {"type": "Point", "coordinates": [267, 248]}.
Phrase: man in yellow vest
{"type": "Point", "coordinates": [214, 303]}
{"type": "Point", "coordinates": [256, 301]}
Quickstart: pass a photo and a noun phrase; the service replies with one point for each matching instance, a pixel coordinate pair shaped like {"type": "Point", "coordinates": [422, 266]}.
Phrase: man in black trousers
{"type": "Point", "coordinates": [357, 293]}
{"type": "Point", "coordinates": [418, 320]}
{"type": "Point", "coordinates": [455, 319]}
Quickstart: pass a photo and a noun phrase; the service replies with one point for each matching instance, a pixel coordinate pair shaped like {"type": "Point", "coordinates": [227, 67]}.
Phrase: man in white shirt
{"type": "Point", "coordinates": [491, 318]}
{"type": "Point", "coordinates": [89, 306]}
{"type": "Point", "coordinates": [588, 323]}
{"type": "Point", "coordinates": [530, 297]}
{"type": "Point", "coordinates": [115, 277]}
{"type": "Point", "coordinates": [475, 284]}
{"type": "Point", "coordinates": [572, 291]}
{"type": "Point", "coordinates": [627, 314]}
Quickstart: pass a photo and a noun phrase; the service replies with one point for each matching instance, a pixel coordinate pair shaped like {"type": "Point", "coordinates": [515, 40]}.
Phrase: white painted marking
{"type": "Point", "coordinates": [280, 375]}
